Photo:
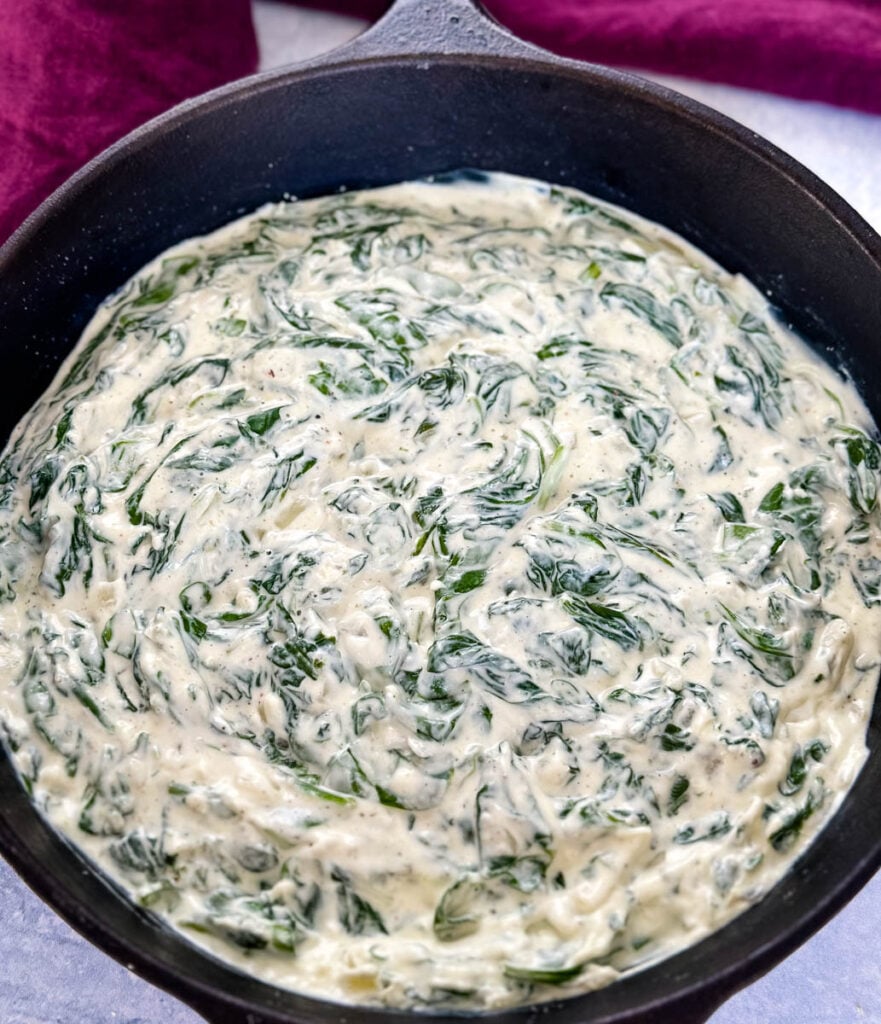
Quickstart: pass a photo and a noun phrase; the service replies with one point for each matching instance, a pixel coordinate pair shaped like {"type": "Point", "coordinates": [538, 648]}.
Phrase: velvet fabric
{"type": "Point", "coordinates": [76, 75]}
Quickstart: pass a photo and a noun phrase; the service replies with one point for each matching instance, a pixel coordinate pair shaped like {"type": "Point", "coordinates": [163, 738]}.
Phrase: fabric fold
{"type": "Point", "coordinates": [77, 75]}
{"type": "Point", "coordinates": [827, 50]}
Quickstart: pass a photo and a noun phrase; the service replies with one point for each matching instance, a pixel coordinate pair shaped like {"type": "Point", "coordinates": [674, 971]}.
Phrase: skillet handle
{"type": "Point", "coordinates": [431, 28]}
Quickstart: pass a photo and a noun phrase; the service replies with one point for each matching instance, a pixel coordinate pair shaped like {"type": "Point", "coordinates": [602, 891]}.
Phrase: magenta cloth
{"type": "Point", "coordinates": [75, 75]}
{"type": "Point", "coordinates": [827, 50]}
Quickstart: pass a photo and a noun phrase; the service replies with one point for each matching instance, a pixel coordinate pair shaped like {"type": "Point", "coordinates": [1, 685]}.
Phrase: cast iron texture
{"type": "Point", "coordinates": [436, 87]}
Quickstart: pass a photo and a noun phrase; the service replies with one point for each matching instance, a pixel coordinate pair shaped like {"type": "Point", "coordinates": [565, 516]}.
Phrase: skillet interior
{"type": "Point", "coordinates": [382, 120]}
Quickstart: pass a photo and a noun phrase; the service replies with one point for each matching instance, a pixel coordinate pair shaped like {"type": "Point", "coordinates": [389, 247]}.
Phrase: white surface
{"type": "Point", "coordinates": [48, 975]}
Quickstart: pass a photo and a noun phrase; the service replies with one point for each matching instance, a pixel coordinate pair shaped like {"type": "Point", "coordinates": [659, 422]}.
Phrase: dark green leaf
{"type": "Point", "coordinates": [644, 305]}
{"type": "Point", "coordinates": [455, 916]}
{"type": "Point", "coordinates": [543, 975]}
{"type": "Point", "coordinates": [678, 794]}
{"type": "Point", "coordinates": [711, 827]}
{"type": "Point", "coordinates": [785, 836]}
{"type": "Point", "coordinates": [729, 505]}
{"type": "Point", "coordinates": [608, 622]}
{"type": "Point", "coordinates": [356, 915]}
{"type": "Point", "coordinates": [765, 710]}
{"type": "Point", "coordinates": [260, 422]}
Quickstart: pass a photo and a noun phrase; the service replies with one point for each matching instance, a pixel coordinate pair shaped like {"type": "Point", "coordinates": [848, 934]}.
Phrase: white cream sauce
{"type": "Point", "coordinates": [456, 594]}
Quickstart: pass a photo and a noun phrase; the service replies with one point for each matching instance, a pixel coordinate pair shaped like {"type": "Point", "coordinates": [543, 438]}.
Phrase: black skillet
{"type": "Point", "coordinates": [433, 87]}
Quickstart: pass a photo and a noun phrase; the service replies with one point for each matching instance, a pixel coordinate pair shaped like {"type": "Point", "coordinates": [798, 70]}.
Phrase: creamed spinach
{"type": "Point", "coordinates": [455, 594]}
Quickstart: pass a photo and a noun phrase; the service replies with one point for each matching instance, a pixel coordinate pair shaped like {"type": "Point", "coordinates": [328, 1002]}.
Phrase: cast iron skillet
{"type": "Point", "coordinates": [434, 87]}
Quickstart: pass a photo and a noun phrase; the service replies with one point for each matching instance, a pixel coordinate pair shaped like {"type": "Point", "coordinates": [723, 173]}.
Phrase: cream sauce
{"type": "Point", "coordinates": [455, 594]}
